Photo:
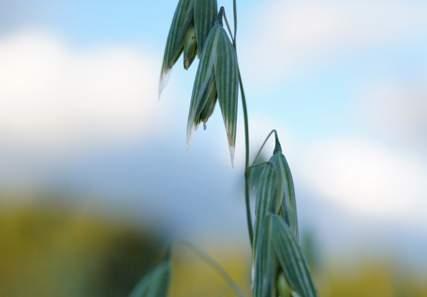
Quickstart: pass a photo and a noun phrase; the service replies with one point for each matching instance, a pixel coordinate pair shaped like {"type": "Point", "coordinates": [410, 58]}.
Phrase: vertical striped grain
{"type": "Point", "coordinates": [291, 259]}
{"type": "Point", "coordinates": [206, 109]}
{"type": "Point", "coordinates": [265, 264]}
{"type": "Point", "coordinates": [175, 42]}
{"type": "Point", "coordinates": [205, 14]}
{"type": "Point", "coordinates": [289, 206]}
{"type": "Point", "coordinates": [190, 47]}
{"type": "Point", "coordinates": [218, 66]}
{"type": "Point", "coordinates": [199, 13]}
{"type": "Point", "coordinates": [226, 71]}
{"type": "Point", "coordinates": [204, 75]}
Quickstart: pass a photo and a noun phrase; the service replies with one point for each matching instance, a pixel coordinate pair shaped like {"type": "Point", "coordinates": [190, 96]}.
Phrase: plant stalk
{"type": "Point", "coordinates": [247, 154]}
{"type": "Point", "coordinates": [264, 144]}
{"type": "Point", "coordinates": [246, 128]}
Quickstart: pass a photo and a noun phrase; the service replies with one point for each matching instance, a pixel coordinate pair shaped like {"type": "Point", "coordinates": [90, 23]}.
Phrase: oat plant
{"type": "Point", "coordinates": [200, 30]}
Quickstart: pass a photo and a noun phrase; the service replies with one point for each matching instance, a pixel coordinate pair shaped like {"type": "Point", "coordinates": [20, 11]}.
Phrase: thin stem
{"type": "Point", "coordinates": [247, 162]}
{"type": "Point", "coordinates": [227, 23]}
{"type": "Point", "coordinates": [264, 144]}
{"type": "Point", "coordinates": [247, 141]}
{"type": "Point", "coordinates": [214, 265]}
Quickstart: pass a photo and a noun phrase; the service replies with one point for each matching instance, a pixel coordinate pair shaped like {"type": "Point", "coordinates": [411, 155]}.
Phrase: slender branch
{"type": "Point", "coordinates": [264, 144]}
{"type": "Point", "coordinates": [214, 265]}
{"type": "Point", "coordinates": [247, 141]}
{"type": "Point", "coordinates": [247, 162]}
{"type": "Point", "coordinates": [227, 23]}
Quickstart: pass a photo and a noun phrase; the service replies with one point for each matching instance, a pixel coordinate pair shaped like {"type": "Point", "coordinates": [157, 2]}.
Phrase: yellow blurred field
{"type": "Point", "coordinates": [50, 252]}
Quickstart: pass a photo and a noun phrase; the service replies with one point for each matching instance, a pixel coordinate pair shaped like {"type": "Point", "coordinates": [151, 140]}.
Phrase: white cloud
{"type": "Point", "coordinates": [292, 34]}
{"type": "Point", "coordinates": [396, 111]}
{"type": "Point", "coordinates": [55, 96]}
{"type": "Point", "coordinates": [368, 179]}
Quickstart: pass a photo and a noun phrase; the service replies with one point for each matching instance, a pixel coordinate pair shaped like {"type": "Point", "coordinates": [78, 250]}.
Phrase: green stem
{"type": "Point", "coordinates": [247, 164]}
{"type": "Point", "coordinates": [264, 144]}
{"type": "Point", "coordinates": [214, 265]}
{"type": "Point", "coordinates": [246, 126]}
{"type": "Point", "coordinates": [227, 24]}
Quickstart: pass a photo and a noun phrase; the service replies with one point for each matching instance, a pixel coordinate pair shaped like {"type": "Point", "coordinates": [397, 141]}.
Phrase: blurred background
{"type": "Point", "coordinates": [96, 176]}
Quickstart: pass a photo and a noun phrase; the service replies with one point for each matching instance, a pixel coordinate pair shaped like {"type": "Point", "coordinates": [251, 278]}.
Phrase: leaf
{"type": "Point", "coordinates": [291, 258]}
{"type": "Point", "coordinates": [227, 83]}
{"type": "Point", "coordinates": [265, 264]}
{"type": "Point", "coordinates": [205, 14]}
{"type": "Point", "coordinates": [181, 22]}
{"type": "Point", "coordinates": [289, 206]}
{"type": "Point", "coordinates": [155, 284]}
{"type": "Point", "coordinates": [204, 76]}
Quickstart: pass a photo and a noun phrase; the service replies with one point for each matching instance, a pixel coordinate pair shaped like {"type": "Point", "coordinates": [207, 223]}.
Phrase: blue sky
{"type": "Point", "coordinates": [343, 83]}
{"type": "Point", "coordinates": [327, 86]}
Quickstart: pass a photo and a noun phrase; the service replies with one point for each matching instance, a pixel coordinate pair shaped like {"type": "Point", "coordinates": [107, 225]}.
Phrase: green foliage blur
{"type": "Point", "coordinates": [53, 250]}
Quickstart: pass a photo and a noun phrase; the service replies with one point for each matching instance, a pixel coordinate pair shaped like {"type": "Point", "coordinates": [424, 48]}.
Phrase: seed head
{"type": "Point", "coordinates": [216, 80]}
{"type": "Point", "coordinates": [190, 26]}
